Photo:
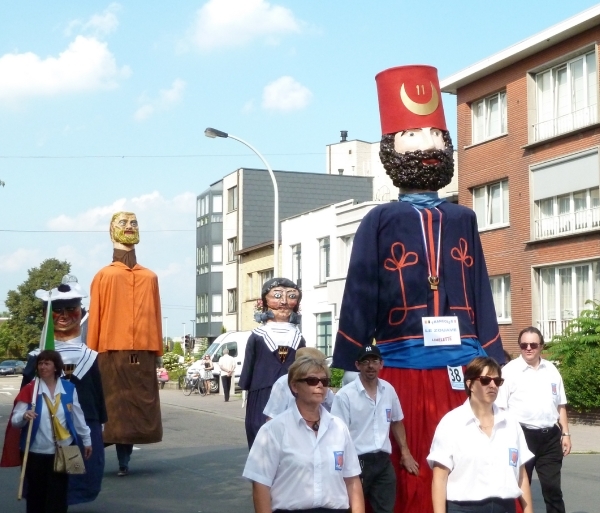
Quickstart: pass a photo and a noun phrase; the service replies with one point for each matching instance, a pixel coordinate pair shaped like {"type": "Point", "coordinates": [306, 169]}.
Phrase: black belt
{"type": "Point", "coordinates": [374, 456]}
{"type": "Point", "coordinates": [541, 430]}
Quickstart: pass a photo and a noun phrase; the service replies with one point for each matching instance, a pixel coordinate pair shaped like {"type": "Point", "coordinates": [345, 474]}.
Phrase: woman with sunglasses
{"type": "Point", "coordinates": [304, 459]}
{"type": "Point", "coordinates": [478, 452]}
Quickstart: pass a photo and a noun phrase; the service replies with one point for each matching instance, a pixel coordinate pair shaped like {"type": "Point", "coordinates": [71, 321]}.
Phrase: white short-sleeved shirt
{"type": "Point", "coordinates": [303, 470]}
{"type": "Point", "coordinates": [532, 395]}
{"type": "Point", "coordinates": [480, 466]}
{"type": "Point", "coordinates": [281, 398]}
{"type": "Point", "coordinates": [368, 420]}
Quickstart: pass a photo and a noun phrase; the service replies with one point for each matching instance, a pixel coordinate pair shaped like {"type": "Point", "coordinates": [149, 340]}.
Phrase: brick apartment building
{"type": "Point", "coordinates": [528, 139]}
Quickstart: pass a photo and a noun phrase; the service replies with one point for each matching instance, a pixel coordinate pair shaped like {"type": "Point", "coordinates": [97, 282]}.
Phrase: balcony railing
{"type": "Point", "coordinates": [571, 222]}
{"type": "Point", "coordinates": [549, 328]}
{"type": "Point", "coordinates": [567, 123]}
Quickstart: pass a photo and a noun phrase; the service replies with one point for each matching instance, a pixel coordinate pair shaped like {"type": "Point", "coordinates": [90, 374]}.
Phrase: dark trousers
{"type": "Point", "coordinates": [226, 384]}
{"type": "Point", "coordinates": [124, 454]}
{"type": "Point", "coordinates": [546, 446]}
{"type": "Point", "coordinates": [493, 505]}
{"type": "Point", "coordinates": [378, 481]}
{"type": "Point", "coordinates": [46, 489]}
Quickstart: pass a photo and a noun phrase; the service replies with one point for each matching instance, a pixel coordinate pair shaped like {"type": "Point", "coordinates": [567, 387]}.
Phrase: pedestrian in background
{"type": "Point", "coordinates": [227, 366]}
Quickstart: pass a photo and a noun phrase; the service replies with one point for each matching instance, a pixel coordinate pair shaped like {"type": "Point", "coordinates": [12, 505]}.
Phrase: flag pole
{"type": "Point", "coordinates": [46, 342]}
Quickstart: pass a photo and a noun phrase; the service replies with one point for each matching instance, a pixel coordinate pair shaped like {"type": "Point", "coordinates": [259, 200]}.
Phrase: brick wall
{"type": "Point", "coordinates": [507, 249]}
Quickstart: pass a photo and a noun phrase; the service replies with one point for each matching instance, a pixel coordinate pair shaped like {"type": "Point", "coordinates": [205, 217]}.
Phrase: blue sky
{"type": "Point", "coordinates": [103, 107]}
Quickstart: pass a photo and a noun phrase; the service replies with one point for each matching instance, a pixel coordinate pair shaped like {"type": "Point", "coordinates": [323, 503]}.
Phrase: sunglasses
{"type": "Point", "coordinates": [486, 380]}
{"type": "Point", "coordinates": [533, 345]}
{"type": "Point", "coordinates": [313, 382]}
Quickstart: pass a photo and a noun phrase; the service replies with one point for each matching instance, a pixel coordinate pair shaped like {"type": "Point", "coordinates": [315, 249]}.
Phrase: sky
{"type": "Point", "coordinates": [103, 107]}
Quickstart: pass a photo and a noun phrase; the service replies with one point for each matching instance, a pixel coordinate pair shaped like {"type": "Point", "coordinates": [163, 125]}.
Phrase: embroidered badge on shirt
{"type": "Point", "coordinates": [513, 457]}
{"type": "Point", "coordinates": [338, 457]}
{"type": "Point", "coordinates": [70, 407]}
{"type": "Point", "coordinates": [554, 389]}
{"type": "Point", "coordinates": [388, 415]}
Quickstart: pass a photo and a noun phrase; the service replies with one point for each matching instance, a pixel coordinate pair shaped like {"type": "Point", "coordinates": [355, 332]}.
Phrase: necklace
{"type": "Point", "coordinates": [315, 423]}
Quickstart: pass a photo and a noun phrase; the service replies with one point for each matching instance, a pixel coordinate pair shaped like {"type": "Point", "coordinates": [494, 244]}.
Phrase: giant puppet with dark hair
{"type": "Point", "coordinates": [417, 265]}
{"type": "Point", "coordinates": [271, 348]}
{"type": "Point", "coordinates": [125, 327]}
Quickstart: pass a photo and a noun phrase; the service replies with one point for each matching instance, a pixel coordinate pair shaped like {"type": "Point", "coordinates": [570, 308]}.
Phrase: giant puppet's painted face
{"type": "Point", "coordinates": [282, 301]}
{"type": "Point", "coordinates": [124, 228]}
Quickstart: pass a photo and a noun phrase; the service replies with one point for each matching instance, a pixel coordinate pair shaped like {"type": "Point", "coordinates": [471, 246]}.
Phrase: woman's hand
{"type": "Point", "coordinates": [87, 452]}
{"type": "Point", "coordinates": [29, 415]}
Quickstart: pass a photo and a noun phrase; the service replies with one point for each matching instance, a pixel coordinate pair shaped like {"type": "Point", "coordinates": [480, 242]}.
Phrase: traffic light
{"type": "Point", "coordinates": [189, 343]}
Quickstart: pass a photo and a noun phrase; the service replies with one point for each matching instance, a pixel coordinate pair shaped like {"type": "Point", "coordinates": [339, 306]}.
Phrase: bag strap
{"type": "Point", "coordinates": [48, 405]}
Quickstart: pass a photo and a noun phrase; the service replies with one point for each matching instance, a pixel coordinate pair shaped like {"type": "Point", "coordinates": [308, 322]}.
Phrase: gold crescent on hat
{"type": "Point", "coordinates": [421, 109]}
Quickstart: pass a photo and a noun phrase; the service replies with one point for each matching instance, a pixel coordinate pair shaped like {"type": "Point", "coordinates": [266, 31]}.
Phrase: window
{"type": "Point", "coordinates": [323, 259]}
{"type": "Point", "coordinates": [324, 338]}
{"type": "Point", "coordinates": [217, 253]}
{"type": "Point", "coordinates": [491, 205]}
{"type": "Point", "coordinates": [202, 308]}
{"type": "Point", "coordinates": [297, 264]}
{"type": "Point", "coordinates": [232, 199]}
{"type": "Point", "coordinates": [250, 281]}
{"type": "Point", "coordinates": [347, 243]}
{"type": "Point", "coordinates": [217, 204]}
{"type": "Point", "coordinates": [217, 304]}
{"type": "Point", "coordinates": [501, 293]}
{"type": "Point", "coordinates": [202, 259]}
{"type": "Point", "coordinates": [231, 300]}
{"type": "Point", "coordinates": [568, 213]}
{"type": "Point", "coordinates": [265, 276]}
{"type": "Point", "coordinates": [566, 97]}
{"type": "Point", "coordinates": [563, 292]}
{"type": "Point", "coordinates": [489, 117]}
{"type": "Point", "coordinates": [231, 249]}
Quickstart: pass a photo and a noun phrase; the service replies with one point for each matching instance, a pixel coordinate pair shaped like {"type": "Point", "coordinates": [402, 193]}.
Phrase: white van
{"type": "Point", "coordinates": [235, 342]}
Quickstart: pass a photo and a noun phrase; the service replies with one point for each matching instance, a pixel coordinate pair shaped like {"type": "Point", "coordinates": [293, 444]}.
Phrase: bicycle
{"type": "Point", "coordinates": [188, 385]}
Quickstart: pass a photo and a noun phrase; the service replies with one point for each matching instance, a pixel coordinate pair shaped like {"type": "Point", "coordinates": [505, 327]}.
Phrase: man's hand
{"type": "Point", "coordinates": [409, 463]}
{"type": "Point", "coordinates": [565, 441]}
{"type": "Point", "coordinates": [87, 452]}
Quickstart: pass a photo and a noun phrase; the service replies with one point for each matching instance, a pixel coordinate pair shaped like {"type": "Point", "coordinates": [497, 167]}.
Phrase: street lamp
{"type": "Point", "coordinates": [193, 333]}
{"type": "Point", "coordinates": [166, 319]}
{"type": "Point", "coordinates": [212, 133]}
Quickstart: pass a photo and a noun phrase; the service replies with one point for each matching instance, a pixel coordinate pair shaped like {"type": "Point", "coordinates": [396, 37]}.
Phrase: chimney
{"type": "Point", "coordinates": [344, 135]}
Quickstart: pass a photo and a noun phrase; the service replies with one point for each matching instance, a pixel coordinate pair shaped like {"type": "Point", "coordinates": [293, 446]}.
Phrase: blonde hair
{"type": "Point", "coordinates": [305, 364]}
{"type": "Point", "coordinates": [310, 351]}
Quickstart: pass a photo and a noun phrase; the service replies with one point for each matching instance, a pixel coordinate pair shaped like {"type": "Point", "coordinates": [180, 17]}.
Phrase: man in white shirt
{"type": "Point", "coordinates": [227, 366]}
{"type": "Point", "coordinates": [533, 392]}
{"type": "Point", "coordinates": [370, 407]}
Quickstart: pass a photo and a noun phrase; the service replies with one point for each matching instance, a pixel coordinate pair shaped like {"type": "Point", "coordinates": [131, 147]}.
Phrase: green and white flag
{"type": "Point", "coordinates": [47, 338]}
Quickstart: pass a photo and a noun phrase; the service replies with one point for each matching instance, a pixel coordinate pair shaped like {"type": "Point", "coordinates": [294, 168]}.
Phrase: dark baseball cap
{"type": "Point", "coordinates": [367, 351]}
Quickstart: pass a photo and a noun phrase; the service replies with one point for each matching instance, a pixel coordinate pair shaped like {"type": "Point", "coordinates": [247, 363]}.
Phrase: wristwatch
{"type": "Point", "coordinates": [566, 434]}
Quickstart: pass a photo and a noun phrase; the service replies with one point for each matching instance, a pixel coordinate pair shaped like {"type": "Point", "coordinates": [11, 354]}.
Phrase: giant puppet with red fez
{"type": "Point", "coordinates": [417, 282]}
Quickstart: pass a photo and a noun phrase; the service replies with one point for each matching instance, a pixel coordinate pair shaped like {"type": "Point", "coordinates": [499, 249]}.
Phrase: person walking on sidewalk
{"type": "Point", "coordinates": [227, 365]}
{"type": "Point", "coordinates": [534, 393]}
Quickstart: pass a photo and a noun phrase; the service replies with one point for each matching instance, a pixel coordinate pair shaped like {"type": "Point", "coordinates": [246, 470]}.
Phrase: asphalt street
{"type": "Point", "coordinates": [197, 468]}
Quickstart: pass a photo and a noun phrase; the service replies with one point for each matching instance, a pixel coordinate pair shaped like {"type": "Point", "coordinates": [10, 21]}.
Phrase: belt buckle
{"type": "Point", "coordinates": [545, 430]}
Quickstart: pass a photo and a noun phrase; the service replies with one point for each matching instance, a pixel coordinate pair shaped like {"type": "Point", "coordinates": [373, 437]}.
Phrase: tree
{"type": "Point", "coordinates": [26, 316]}
{"type": "Point", "coordinates": [177, 349]}
{"type": "Point", "coordinates": [577, 352]}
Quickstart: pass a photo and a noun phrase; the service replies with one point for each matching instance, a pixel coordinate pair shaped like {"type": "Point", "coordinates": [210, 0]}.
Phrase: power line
{"type": "Point", "coordinates": [85, 231]}
{"type": "Point", "coordinates": [155, 156]}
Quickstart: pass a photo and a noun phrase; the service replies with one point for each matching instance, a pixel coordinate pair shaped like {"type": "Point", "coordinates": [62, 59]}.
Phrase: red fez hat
{"type": "Point", "coordinates": [409, 97]}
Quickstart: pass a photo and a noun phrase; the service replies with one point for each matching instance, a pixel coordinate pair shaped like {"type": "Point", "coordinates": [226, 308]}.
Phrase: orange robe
{"type": "Point", "coordinates": [124, 326]}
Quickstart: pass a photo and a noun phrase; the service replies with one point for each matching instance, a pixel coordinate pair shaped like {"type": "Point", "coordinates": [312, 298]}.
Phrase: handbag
{"type": "Point", "coordinates": [67, 458]}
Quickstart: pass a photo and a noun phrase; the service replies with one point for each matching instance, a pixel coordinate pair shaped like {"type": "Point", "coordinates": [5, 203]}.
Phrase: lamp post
{"type": "Point", "coordinates": [183, 339]}
{"type": "Point", "coordinates": [166, 319]}
{"type": "Point", "coordinates": [193, 333]}
{"type": "Point", "coordinates": [212, 133]}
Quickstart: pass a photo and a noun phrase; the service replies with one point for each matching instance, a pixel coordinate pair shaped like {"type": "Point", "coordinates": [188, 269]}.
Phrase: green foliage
{"type": "Point", "coordinates": [26, 318]}
{"type": "Point", "coordinates": [223, 329]}
{"type": "Point", "coordinates": [577, 352]}
{"type": "Point", "coordinates": [336, 377]}
{"type": "Point", "coordinates": [177, 349]}
{"type": "Point", "coordinates": [175, 369]}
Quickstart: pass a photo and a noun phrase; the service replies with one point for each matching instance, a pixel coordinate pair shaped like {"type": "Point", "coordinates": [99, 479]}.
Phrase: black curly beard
{"type": "Point", "coordinates": [408, 171]}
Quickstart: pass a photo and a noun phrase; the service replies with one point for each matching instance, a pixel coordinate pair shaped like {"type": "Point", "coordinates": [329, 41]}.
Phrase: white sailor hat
{"type": "Point", "coordinates": [68, 289]}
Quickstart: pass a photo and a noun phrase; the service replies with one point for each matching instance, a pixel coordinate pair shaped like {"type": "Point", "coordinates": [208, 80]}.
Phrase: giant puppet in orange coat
{"type": "Point", "coordinates": [125, 329]}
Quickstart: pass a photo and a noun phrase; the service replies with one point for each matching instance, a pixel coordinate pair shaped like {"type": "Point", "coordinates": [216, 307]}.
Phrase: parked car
{"type": "Point", "coordinates": [11, 367]}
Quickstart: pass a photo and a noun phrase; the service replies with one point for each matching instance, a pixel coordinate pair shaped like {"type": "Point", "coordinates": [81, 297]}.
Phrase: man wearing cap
{"type": "Point", "coordinates": [81, 368]}
{"type": "Point", "coordinates": [534, 393]}
{"type": "Point", "coordinates": [370, 408]}
{"type": "Point", "coordinates": [125, 327]}
{"type": "Point", "coordinates": [417, 281]}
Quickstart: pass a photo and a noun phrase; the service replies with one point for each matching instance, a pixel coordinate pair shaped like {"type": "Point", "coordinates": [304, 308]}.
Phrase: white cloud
{"type": "Point", "coordinates": [20, 259]}
{"type": "Point", "coordinates": [166, 99]}
{"type": "Point", "coordinates": [231, 23]}
{"type": "Point", "coordinates": [285, 94]}
{"type": "Point", "coordinates": [86, 65]}
{"type": "Point", "coordinates": [98, 24]}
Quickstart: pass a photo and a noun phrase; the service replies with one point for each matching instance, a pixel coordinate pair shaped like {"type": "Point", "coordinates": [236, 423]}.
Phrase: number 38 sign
{"type": "Point", "coordinates": [457, 379]}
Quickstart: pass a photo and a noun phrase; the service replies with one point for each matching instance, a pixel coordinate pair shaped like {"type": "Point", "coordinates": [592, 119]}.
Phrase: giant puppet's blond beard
{"type": "Point", "coordinates": [119, 235]}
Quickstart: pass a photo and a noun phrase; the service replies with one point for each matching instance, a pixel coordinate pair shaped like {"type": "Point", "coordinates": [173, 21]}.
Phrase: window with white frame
{"type": "Point", "coordinates": [232, 198]}
{"type": "Point", "coordinates": [231, 300]}
{"type": "Point", "coordinates": [232, 247]}
{"type": "Point", "coordinates": [217, 204]}
{"type": "Point", "coordinates": [346, 250]}
{"type": "Point", "coordinates": [217, 303]}
{"type": "Point", "coordinates": [297, 264]}
{"type": "Point", "coordinates": [324, 333]}
{"type": "Point", "coordinates": [566, 195]}
{"type": "Point", "coordinates": [501, 294]}
{"type": "Point", "coordinates": [324, 260]}
{"type": "Point", "coordinates": [217, 253]}
{"type": "Point", "coordinates": [563, 292]}
{"type": "Point", "coordinates": [489, 117]}
{"type": "Point", "coordinates": [265, 276]}
{"type": "Point", "coordinates": [202, 308]}
{"type": "Point", "coordinates": [490, 203]}
{"type": "Point", "coordinates": [566, 97]}
{"type": "Point", "coordinates": [250, 285]}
